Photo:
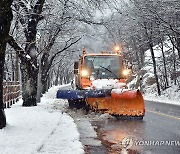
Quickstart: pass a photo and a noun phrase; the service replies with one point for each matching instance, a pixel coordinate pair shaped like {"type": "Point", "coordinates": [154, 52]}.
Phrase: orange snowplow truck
{"type": "Point", "coordinates": [100, 84]}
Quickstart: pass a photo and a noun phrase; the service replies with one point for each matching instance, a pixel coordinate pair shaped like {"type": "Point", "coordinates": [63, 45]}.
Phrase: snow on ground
{"type": "Point", "coordinates": [169, 96]}
{"type": "Point", "coordinates": [161, 99]}
{"type": "Point", "coordinates": [40, 129]}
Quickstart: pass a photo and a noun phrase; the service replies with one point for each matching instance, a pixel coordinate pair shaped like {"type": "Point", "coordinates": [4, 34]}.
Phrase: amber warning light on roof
{"type": "Point", "coordinates": [117, 49]}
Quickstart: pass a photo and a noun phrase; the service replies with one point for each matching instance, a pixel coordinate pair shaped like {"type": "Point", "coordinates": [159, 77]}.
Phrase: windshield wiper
{"type": "Point", "coordinates": [109, 71]}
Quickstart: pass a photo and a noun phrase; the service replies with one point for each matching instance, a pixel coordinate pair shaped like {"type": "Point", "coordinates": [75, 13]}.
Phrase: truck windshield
{"type": "Point", "coordinates": [103, 67]}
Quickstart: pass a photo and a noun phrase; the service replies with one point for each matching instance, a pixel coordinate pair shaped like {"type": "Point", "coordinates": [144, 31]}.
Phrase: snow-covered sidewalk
{"type": "Point", "coordinates": [40, 129]}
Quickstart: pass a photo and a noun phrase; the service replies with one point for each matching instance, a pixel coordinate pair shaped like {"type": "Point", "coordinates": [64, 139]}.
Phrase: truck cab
{"type": "Point", "coordinates": [98, 66]}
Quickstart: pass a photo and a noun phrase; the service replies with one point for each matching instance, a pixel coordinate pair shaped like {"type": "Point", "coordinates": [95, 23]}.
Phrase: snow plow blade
{"type": "Point", "coordinates": [81, 94]}
{"type": "Point", "coordinates": [129, 103]}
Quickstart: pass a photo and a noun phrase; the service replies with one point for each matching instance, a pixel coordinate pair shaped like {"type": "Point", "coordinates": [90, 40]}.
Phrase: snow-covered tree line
{"type": "Point", "coordinates": [42, 41]}
{"type": "Point", "coordinates": [42, 32]}
{"type": "Point", "coordinates": [142, 24]}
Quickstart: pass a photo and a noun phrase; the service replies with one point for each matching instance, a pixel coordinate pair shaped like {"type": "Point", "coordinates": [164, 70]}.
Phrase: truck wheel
{"type": "Point", "coordinates": [75, 103]}
{"type": "Point", "coordinates": [71, 104]}
{"type": "Point", "coordinates": [79, 103]}
{"type": "Point", "coordinates": [85, 106]}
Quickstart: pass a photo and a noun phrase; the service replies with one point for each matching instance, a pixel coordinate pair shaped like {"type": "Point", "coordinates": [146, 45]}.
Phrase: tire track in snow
{"type": "Point", "coordinates": [65, 133]}
{"type": "Point", "coordinates": [40, 148]}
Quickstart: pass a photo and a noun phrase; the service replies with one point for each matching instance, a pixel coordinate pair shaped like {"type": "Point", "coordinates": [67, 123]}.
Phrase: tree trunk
{"type": "Point", "coordinates": [44, 71]}
{"type": "Point", "coordinates": [155, 70]}
{"type": "Point", "coordinates": [39, 84]}
{"type": "Point", "coordinates": [29, 73]}
{"type": "Point", "coordinates": [29, 84]}
{"type": "Point", "coordinates": [5, 23]}
{"type": "Point", "coordinates": [30, 70]}
{"type": "Point", "coordinates": [43, 85]}
{"type": "Point", "coordinates": [178, 45]}
{"type": "Point", "coordinates": [174, 66]}
{"type": "Point", "coordinates": [165, 69]}
{"type": "Point", "coordinates": [138, 61]}
{"type": "Point", "coordinates": [57, 77]}
{"type": "Point", "coordinates": [2, 60]}
{"type": "Point", "coordinates": [149, 35]}
{"type": "Point", "coordinates": [142, 57]}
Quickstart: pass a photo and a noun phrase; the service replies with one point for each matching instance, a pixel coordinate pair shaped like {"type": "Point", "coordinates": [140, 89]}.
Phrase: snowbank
{"type": "Point", "coordinates": [161, 99]}
{"type": "Point", "coordinates": [169, 96]}
{"type": "Point", "coordinates": [40, 129]}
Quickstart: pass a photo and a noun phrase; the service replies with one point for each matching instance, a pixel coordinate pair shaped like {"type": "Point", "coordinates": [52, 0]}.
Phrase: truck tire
{"type": "Point", "coordinates": [71, 104]}
{"type": "Point", "coordinates": [78, 104]}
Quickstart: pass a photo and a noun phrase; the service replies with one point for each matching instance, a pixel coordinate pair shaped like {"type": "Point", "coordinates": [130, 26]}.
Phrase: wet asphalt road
{"type": "Point", "coordinates": [157, 133]}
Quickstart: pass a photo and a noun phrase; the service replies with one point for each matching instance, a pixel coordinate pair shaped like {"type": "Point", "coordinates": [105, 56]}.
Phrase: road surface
{"type": "Point", "coordinates": [157, 133]}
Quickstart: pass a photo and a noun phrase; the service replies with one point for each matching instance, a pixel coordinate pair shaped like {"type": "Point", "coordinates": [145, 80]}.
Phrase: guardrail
{"type": "Point", "coordinates": [11, 93]}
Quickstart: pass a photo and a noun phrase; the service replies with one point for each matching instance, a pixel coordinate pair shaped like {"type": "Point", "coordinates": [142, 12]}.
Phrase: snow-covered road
{"type": "Point", "coordinates": [40, 129]}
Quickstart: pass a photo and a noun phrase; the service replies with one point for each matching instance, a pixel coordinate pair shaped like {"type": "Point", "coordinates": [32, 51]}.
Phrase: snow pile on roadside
{"type": "Point", "coordinates": [39, 129]}
{"type": "Point", "coordinates": [170, 96]}
{"type": "Point", "coordinates": [52, 92]}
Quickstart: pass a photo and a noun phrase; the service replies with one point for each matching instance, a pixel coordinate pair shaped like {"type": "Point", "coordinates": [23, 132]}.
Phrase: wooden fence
{"type": "Point", "coordinates": [11, 93]}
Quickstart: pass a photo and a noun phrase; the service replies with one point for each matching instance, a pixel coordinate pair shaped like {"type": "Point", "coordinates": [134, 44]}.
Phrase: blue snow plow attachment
{"type": "Point", "coordinates": [80, 94]}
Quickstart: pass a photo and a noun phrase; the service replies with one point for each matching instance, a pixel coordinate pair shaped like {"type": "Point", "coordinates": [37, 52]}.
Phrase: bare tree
{"type": "Point", "coordinates": [5, 23]}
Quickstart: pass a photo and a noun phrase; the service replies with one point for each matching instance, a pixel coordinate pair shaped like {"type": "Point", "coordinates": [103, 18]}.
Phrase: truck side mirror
{"type": "Point", "coordinates": [76, 66]}
{"type": "Point", "coordinates": [129, 66]}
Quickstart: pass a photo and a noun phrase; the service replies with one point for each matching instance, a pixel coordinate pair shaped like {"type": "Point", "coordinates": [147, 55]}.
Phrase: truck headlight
{"type": "Point", "coordinates": [84, 73]}
{"type": "Point", "coordinates": [125, 72]}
